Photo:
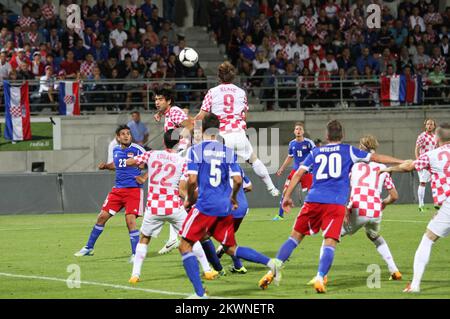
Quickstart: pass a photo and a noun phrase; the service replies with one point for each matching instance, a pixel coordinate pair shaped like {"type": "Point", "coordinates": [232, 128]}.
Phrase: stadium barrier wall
{"type": "Point", "coordinates": [42, 193]}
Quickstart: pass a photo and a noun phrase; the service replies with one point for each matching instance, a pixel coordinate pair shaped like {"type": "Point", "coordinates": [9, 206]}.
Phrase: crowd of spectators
{"type": "Point", "coordinates": [130, 42]}
{"type": "Point", "coordinates": [317, 41]}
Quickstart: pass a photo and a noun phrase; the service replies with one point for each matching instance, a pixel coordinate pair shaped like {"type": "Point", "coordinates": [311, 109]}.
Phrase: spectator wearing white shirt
{"type": "Point", "coordinates": [118, 36]}
{"type": "Point", "coordinates": [47, 88]}
{"type": "Point", "coordinates": [416, 19]}
{"type": "Point", "coordinates": [283, 46]}
{"type": "Point", "coordinates": [129, 49]}
{"type": "Point", "coordinates": [301, 48]}
{"type": "Point", "coordinates": [330, 63]}
{"type": "Point", "coordinates": [5, 67]}
{"type": "Point", "coordinates": [111, 146]}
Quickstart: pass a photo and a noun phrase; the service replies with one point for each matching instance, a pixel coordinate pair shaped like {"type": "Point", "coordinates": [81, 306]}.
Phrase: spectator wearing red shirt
{"type": "Point", "coordinates": [70, 66]}
{"type": "Point", "coordinates": [19, 58]}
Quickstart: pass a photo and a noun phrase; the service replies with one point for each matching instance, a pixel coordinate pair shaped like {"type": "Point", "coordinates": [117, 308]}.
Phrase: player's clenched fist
{"type": "Point", "coordinates": [157, 117]}
{"type": "Point", "coordinates": [235, 203]}
{"type": "Point", "coordinates": [287, 204]}
{"type": "Point", "coordinates": [102, 165]}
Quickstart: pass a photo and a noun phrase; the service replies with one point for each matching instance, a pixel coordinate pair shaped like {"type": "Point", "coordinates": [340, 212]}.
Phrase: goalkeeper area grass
{"type": "Point", "coordinates": [37, 260]}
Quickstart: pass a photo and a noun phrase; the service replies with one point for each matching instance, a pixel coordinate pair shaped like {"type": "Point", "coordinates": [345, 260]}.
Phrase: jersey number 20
{"type": "Point", "coordinates": [334, 162]}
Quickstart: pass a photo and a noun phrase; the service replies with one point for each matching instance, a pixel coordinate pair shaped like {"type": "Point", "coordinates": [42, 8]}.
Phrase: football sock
{"type": "Point", "coordinates": [252, 255]}
{"type": "Point", "coordinates": [421, 194]}
{"type": "Point", "coordinates": [421, 260]}
{"type": "Point", "coordinates": [281, 210]}
{"type": "Point", "coordinates": [286, 249]}
{"type": "Point", "coordinates": [261, 170]}
{"type": "Point", "coordinates": [95, 233]}
{"type": "Point", "coordinates": [326, 261]}
{"type": "Point", "coordinates": [384, 251]}
{"type": "Point", "coordinates": [173, 235]}
{"type": "Point", "coordinates": [197, 249]}
{"type": "Point", "coordinates": [321, 250]}
{"type": "Point", "coordinates": [141, 252]}
{"type": "Point", "coordinates": [134, 240]}
{"type": "Point", "coordinates": [236, 262]}
{"type": "Point", "coordinates": [210, 252]}
{"type": "Point", "coordinates": [190, 264]}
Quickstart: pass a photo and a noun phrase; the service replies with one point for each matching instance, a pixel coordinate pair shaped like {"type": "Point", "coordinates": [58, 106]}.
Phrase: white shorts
{"type": "Point", "coordinates": [238, 142]}
{"type": "Point", "coordinates": [355, 222]}
{"type": "Point", "coordinates": [440, 224]}
{"type": "Point", "coordinates": [424, 176]}
{"type": "Point", "coordinates": [152, 224]}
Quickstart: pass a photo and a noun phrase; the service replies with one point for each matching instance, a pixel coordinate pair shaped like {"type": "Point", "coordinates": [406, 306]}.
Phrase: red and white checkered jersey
{"type": "Point", "coordinates": [229, 103]}
{"type": "Point", "coordinates": [437, 162]}
{"type": "Point", "coordinates": [367, 186]}
{"type": "Point", "coordinates": [165, 170]}
{"type": "Point", "coordinates": [173, 118]}
{"type": "Point", "coordinates": [426, 142]}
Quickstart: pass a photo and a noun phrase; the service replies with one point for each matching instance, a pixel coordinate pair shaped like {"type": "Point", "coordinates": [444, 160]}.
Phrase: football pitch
{"type": "Point", "coordinates": [37, 252]}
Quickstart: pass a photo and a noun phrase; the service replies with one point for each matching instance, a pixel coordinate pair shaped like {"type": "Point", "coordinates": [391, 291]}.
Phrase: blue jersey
{"type": "Point", "coordinates": [299, 151]}
{"type": "Point", "coordinates": [214, 164]}
{"type": "Point", "coordinates": [126, 175]}
{"type": "Point", "coordinates": [331, 165]}
{"type": "Point", "coordinates": [242, 209]}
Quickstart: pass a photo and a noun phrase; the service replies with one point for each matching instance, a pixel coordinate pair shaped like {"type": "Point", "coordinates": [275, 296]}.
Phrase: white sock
{"type": "Point", "coordinates": [141, 252]}
{"type": "Point", "coordinates": [173, 234]}
{"type": "Point", "coordinates": [261, 170]}
{"type": "Point", "coordinates": [198, 251]}
{"type": "Point", "coordinates": [421, 260]}
{"type": "Point", "coordinates": [384, 251]}
{"type": "Point", "coordinates": [321, 250]}
{"type": "Point", "coordinates": [421, 194]}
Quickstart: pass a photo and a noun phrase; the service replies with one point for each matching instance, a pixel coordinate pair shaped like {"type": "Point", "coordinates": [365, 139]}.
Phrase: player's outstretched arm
{"type": "Point", "coordinates": [237, 183]}
{"type": "Point", "coordinates": [131, 162]}
{"type": "Point", "coordinates": [141, 179]}
{"type": "Point", "coordinates": [406, 166]}
{"type": "Point", "coordinates": [104, 165]}
{"type": "Point", "coordinates": [385, 159]}
{"type": "Point", "coordinates": [286, 163]}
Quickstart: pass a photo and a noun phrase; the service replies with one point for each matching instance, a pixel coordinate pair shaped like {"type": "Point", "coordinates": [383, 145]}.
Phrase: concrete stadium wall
{"type": "Point", "coordinates": [85, 139]}
{"type": "Point", "coordinates": [41, 193]}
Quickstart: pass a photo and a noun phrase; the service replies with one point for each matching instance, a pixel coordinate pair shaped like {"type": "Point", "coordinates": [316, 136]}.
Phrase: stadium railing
{"type": "Point", "coordinates": [278, 93]}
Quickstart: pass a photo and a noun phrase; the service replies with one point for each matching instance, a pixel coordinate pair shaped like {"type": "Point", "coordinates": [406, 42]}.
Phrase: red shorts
{"type": "Point", "coordinates": [305, 181]}
{"type": "Point", "coordinates": [132, 199]}
{"type": "Point", "coordinates": [197, 225]}
{"type": "Point", "coordinates": [316, 216]}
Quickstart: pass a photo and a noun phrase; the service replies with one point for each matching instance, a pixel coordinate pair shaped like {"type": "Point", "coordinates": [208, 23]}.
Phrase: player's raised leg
{"type": "Point", "coordinates": [88, 249]}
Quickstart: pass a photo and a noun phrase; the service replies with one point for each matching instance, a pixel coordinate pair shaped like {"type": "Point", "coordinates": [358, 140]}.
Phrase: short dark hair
{"type": "Point", "coordinates": [167, 93]}
{"type": "Point", "coordinates": [210, 121]}
{"type": "Point", "coordinates": [334, 131]}
{"type": "Point", "coordinates": [299, 124]}
{"type": "Point", "coordinates": [171, 138]}
{"type": "Point", "coordinates": [121, 127]}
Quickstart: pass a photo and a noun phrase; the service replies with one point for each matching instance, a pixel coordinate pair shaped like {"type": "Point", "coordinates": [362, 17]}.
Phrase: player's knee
{"type": "Point", "coordinates": [185, 246]}
{"type": "Point", "coordinates": [375, 238]}
{"type": "Point", "coordinates": [230, 250]}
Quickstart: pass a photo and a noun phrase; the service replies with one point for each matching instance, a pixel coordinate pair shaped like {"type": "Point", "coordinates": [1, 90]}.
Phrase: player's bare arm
{"type": "Point", "coordinates": [200, 115]}
{"type": "Point", "coordinates": [109, 166]}
{"type": "Point", "coordinates": [237, 183]}
{"type": "Point", "coordinates": [141, 179]}
{"type": "Point", "coordinates": [392, 197]}
{"type": "Point", "coordinates": [188, 124]}
{"type": "Point", "coordinates": [131, 162]}
{"type": "Point", "coordinates": [406, 166]}
{"type": "Point", "coordinates": [286, 163]}
{"type": "Point", "coordinates": [248, 188]}
{"type": "Point", "coordinates": [385, 159]}
{"type": "Point", "coordinates": [287, 200]}
{"type": "Point", "coordinates": [191, 187]}
{"type": "Point", "coordinates": [416, 151]}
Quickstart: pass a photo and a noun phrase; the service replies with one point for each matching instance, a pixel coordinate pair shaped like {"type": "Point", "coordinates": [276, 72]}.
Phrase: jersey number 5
{"type": "Point", "coordinates": [215, 175]}
{"type": "Point", "coordinates": [228, 102]}
{"type": "Point", "coordinates": [334, 162]}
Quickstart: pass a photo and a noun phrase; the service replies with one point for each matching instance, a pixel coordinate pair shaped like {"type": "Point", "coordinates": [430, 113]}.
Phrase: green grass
{"type": "Point", "coordinates": [43, 245]}
{"type": "Point", "coordinates": [42, 139]}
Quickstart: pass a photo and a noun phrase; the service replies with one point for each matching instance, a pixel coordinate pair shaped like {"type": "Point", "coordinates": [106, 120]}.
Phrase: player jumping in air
{"type": "Point", "coordinates": [165, 190]}
{"type": "Point", "coordinates": [174, 118]}
{"type": "Point", "coordinates": [366, 206]}
{"type": "Point", "coordinates": [229, 103]}
{"type": "Point", "coordinates": [437, 163]}
{"type": "Point", "coordinates": [426, 142]}
{"type": "Point", "coordinates": [324, 206]}
{"type": "Point", "coordinates": [127, 192]}
{"type": "Point", "coordinates": [210, 167]}
{"type": "Point", "coordinates": [299, 149]}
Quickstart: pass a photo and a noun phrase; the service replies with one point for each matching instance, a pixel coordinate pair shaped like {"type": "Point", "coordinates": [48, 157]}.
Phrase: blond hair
{"type": "Point", "coordinates": [226, 72]}
{"type": "Point", "coordinates": [369, 142]}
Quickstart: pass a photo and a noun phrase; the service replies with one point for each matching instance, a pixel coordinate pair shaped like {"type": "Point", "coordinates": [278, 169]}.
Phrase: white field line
{"type": "Point", "coordinates": [161, 292]}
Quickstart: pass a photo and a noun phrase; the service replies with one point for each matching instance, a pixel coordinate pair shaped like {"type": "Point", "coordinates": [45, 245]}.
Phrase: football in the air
{"type": "Point", "coordinates": [188, 57]}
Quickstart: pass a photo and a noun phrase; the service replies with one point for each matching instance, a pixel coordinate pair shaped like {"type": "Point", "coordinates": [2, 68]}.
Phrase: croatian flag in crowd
{"type": "Point", "coordinates": [69, 103]}
{"type": "Point", "coordinates": [17, 112]}
{"type": "Point", "coordinates": [398, 89]}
